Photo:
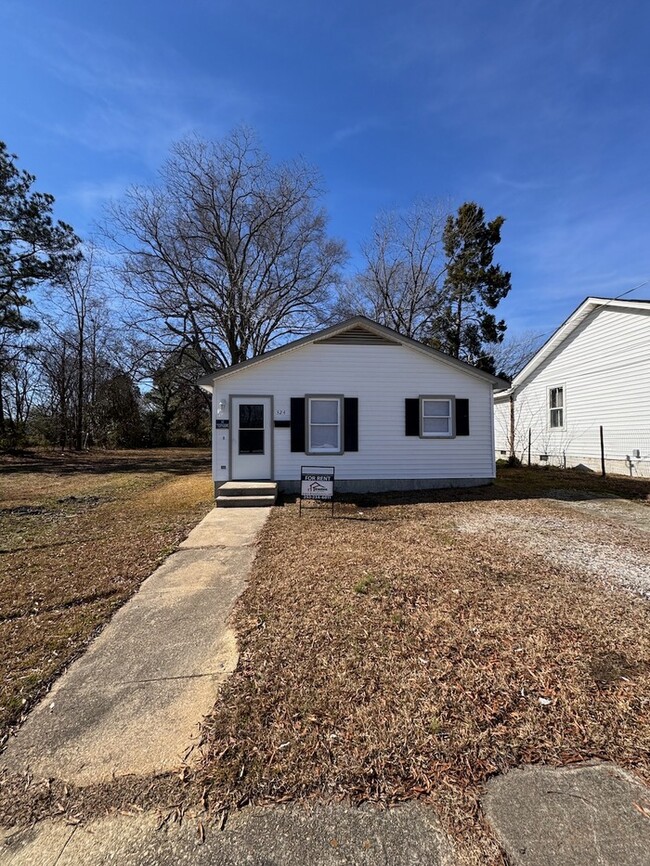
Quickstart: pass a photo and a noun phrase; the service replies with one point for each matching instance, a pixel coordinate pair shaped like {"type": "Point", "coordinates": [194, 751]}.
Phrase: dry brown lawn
{"type": "Point", "coordinates": [408, 648]}
{"type": "Point", "coordinates": [388, 655]}
{"type": "Point", "coordinates": [78, 534]}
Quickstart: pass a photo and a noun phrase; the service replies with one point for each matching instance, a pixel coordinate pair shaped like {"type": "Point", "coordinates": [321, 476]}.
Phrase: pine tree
{"type": "Point", "coordinates": [473, 287]}
{"type": "Point", "coordinates": [33, 247]}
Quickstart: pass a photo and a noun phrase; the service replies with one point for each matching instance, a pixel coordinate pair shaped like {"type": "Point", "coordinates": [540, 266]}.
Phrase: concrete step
{"type": "Point", "coordinates": [245, 501]}
{"type": "Point", "coordinates": [248, 488]}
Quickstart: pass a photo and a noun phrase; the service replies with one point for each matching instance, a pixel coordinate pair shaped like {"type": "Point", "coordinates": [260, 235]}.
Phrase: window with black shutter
{"type": "Point", "coordinates": [436, 417]}
{"type": "Point", "coordinates": [324, 424]}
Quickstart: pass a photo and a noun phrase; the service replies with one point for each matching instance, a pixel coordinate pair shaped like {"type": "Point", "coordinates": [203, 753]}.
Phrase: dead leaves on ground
{"type": "Point", "coordinates": [388, 658]}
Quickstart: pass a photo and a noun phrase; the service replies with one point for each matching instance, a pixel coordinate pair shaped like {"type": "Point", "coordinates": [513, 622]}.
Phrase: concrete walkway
{"type": "Point", "coordinates": [133, 702]}
{"type": "Point", "coordinates": [334, 835]}
{"type": "Point", "coordinates": [585, 815]}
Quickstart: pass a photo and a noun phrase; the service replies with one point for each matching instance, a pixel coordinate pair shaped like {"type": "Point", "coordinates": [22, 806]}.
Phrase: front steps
{"type": "Point", "coordinates": [247, 494]}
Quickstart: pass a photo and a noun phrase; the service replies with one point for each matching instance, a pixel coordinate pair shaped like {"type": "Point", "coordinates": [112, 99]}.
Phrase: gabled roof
{"type": "Point", "coordinates": [352, 331]}
{"type": "Point", "coordinates": [587, 308]}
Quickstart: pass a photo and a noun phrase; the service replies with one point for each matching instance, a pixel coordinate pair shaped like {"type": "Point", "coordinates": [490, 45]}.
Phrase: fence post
{"type": "Point", "coordinates": [602, 452]}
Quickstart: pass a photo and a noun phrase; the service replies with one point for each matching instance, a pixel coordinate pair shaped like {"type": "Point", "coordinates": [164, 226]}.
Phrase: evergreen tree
{"type": "Point", "coordinates": [178, 411]}
{"type": "Point", "coordinates": [465, 325]}
{"type": "Point", "coordinates": [33, 247]}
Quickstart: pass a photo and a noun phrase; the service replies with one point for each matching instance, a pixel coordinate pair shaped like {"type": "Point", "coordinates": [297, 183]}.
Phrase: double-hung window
{"type": "Point", "coordinates": [324, 425]}
{"type": "Point", "coordinates": [436, 417]}
{"type": "Point", "coordinates": [556, 408]}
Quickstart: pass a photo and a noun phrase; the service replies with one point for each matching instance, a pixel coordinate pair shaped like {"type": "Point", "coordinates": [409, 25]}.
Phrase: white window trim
{"type": "Point", "coordinates": [562, 426]}
{"type": "Point", "coordinates": [308, 401]}
{"type": "Point", "coordinates": [452, 416]}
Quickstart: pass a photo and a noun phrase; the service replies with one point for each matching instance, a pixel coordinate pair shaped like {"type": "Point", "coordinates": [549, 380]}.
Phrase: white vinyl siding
{"type": "Point", "coordinates": [380, 377]}
{"type": "Point", "coordinates": [604, 369]}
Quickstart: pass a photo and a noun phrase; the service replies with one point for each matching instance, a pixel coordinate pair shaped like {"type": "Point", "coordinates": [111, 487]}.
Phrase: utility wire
{"type": "Point", "coordinates": [607, 302]}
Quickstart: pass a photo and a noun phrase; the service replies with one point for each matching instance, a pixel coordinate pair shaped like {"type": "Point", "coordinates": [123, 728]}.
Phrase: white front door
{"type": "Point", "coordinates": [251, 427]}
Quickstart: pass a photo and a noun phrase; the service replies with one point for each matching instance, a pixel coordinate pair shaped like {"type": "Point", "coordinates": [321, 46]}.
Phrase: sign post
{"type": "Point", "coordinates": [317, 482]}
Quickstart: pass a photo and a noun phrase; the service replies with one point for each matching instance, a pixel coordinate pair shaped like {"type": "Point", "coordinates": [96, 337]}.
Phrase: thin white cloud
{"type": "Point", "coordinates": [506, 74]}
{"type": "Point", "coordinates": [516, 184]}
{"type": "Point", "coordinates": [352, 131]}
{"type": "Point", "coordinates": [131, 98]}
{"type": "Point", "coordinates": [91, 195]}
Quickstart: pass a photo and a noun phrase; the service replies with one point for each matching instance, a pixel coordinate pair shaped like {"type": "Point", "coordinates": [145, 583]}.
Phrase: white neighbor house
{"type": "Point", "coordinates": [594, 371]}
{"type": "Point", "coordinates": [386, 411]}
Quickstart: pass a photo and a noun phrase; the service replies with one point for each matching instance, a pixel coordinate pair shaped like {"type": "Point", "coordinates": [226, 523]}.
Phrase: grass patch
{"type": "Point", "coordinates": [537, 481]}
{"type": "Point", "coordinates": [370, 584]}
{"type": "Point", "coordinates": [79, 534]}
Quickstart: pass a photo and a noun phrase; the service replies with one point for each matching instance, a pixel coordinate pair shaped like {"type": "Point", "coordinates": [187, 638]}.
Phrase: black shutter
{"type": "Point", "coordinates": [350, 424]}
{"type": "Point", "coordinates": [298, 424]}
{"type": "Point", "coordinates": [462, 416]}
{"type": "Point", "coordinates": [412, 416]}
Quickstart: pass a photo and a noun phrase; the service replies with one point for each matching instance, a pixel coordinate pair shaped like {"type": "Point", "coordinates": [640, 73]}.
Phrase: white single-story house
{"type": "Point", "coordinates": [593, 373]}
{"type": "Point", "coordinates": [388, 412]}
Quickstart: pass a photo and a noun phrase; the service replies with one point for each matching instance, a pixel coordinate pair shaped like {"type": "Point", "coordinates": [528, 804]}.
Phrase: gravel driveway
{"type": "Point", "coordinates": [607, 537]}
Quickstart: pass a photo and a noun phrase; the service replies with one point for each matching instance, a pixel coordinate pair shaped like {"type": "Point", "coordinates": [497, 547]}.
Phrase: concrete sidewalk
{"type": "Point", "coordinates": [133, 702]}
{"type": "Point", "coordinates": [333, 835]}
{"type": "Point", "coordinates": [586, 815]}
{"type": "Point", "coordinates": [583, 815]}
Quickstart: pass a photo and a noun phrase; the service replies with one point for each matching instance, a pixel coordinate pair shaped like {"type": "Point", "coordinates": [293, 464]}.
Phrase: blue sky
{"type": "Point", "coordinates": [537, 110]}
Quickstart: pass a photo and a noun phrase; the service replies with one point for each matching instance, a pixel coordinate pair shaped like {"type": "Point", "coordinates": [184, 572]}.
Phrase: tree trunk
{"type": "Point", "coordinates": [78, 438]}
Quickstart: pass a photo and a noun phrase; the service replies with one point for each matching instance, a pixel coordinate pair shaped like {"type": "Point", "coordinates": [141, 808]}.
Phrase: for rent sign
{"type": "Point", "coordinates": [317, 486]}
{"type": "Point", "coordinates": [317, 482]}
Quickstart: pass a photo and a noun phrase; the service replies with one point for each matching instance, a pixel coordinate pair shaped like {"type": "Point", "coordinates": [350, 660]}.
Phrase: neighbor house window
{"type": "Point", "coordinates": [556, 407]}
{"type": "Point", "coordinates": [436, 416]}
{"type": "Point", "coordinates": [324, 425]}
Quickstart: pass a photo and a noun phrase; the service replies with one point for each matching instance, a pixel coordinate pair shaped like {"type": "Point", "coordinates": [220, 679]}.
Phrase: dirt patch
{"type": "Point", "coordinates": [609, 668]}
{"type": "Point", "coordinates": [24, 510]}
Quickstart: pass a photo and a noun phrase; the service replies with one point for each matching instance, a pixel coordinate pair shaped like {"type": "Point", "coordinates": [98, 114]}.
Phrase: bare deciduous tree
{"type": "Point", "coordinates": [515, 352]}
{"type": "Point", "coordinates": [77, 317]}
{"type": "Point", "coordinates": [16, 386]}
{"type": "Point", "coordinates": [229, 252]}
{"type": "Point", "coordinates": [400, 284]}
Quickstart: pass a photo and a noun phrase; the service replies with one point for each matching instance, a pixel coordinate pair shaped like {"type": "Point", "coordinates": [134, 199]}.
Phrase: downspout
{"type": "Point", "coordinates": [512, 426]}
